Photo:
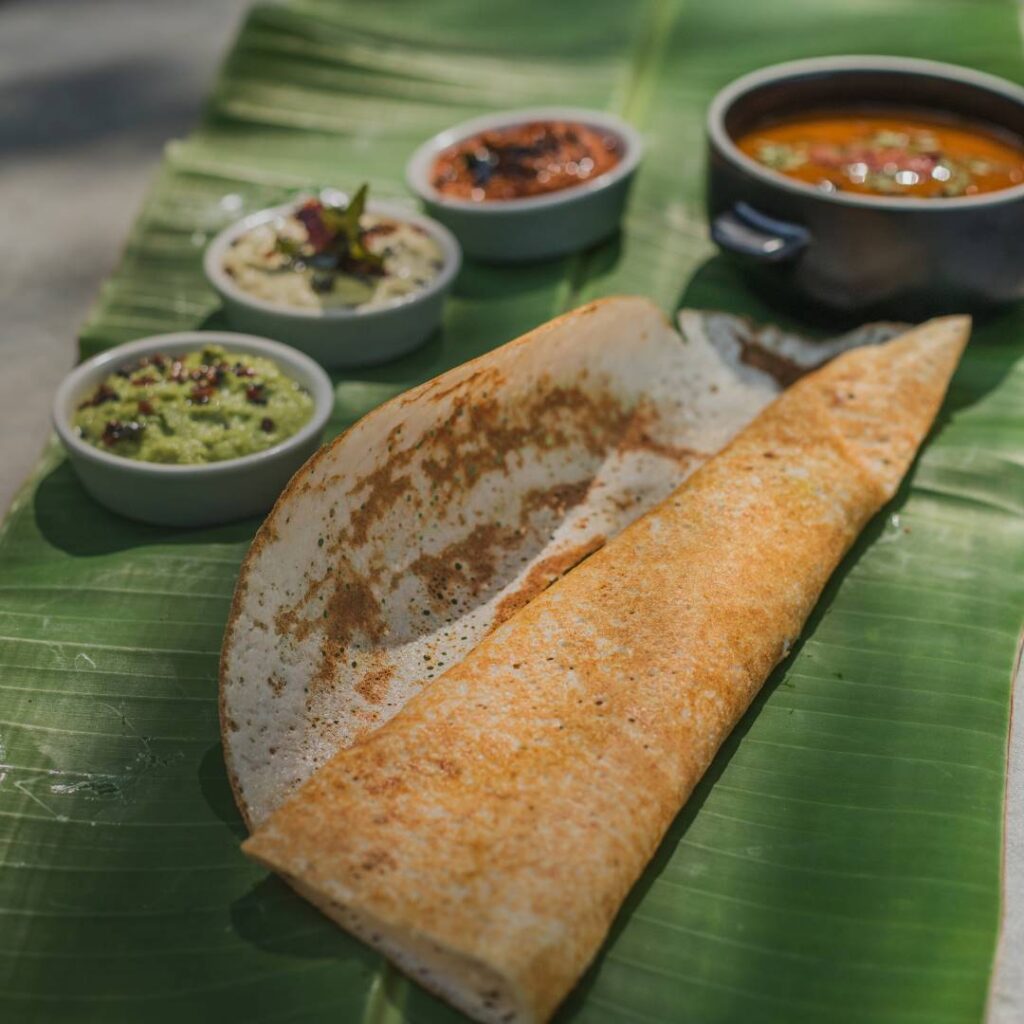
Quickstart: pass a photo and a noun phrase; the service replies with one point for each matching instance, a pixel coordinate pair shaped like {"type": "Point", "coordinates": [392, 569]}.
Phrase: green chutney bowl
{"type": "Point", "coordinates": [191, 495]}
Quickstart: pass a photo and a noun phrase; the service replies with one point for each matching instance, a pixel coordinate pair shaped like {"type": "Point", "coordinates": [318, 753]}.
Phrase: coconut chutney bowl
{"type": "Point", "coordinates": [190, 494]}
{"type": "Point", "coordinates": [535, 216]}
{"type": "Point", "coordinates": [337, 336]}
{"type": "Point", "coordinates": [907, 252]}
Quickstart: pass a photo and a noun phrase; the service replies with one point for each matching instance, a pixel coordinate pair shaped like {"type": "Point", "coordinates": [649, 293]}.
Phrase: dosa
{"type": "Point", "coordinates": [407, 539]}
{"type": "Point", "coordinates": [485, 837]}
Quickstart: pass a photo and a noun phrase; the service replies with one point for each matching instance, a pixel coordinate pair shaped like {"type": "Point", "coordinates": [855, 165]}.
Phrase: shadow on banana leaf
{"type": "Point", "coordinates": [71, 520]}
{"type": "Point", "coordinates": [270, 916]}
{"type": "Point", "coordinates": [508, 282]}
{"type": "Point", "coordinates": [720, 285]}
{"type": "Point", "coordinates": [273, 918]}
{"type": "Point", "coordinates": [213, 784]}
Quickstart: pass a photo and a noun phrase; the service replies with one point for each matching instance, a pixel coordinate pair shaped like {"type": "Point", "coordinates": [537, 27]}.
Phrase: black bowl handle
{"type": "Point", "coordinates": [746, 232]}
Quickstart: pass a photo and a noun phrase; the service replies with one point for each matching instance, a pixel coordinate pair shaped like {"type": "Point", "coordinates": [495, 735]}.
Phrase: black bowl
{"type": "Point", "coordinates": [864, 255]}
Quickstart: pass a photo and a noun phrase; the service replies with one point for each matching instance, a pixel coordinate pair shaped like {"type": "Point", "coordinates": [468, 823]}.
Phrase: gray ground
{"type": "Point", "coordinates": [90, 90]}
{"type": "Point", "coordinates": [89, 93]}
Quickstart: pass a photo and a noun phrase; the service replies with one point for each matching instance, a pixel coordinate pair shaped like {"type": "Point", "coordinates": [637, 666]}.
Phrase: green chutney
{"type": "Point", "coordinates": [203, 406]}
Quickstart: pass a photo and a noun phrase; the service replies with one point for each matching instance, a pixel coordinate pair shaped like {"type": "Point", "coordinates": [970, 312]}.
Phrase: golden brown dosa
{"type": "Point", "coordinates": [485, 837]}
{"type": "Point", "coordinates": [407, 539]}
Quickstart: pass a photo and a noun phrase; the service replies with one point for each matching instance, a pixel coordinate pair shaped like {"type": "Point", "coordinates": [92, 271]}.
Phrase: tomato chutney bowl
{"type": "Point", "coordinates": [530, 184]}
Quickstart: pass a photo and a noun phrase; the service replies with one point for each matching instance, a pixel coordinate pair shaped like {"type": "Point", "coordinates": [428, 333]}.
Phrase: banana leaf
{"type": "Point", "coordinates": [841, 861]}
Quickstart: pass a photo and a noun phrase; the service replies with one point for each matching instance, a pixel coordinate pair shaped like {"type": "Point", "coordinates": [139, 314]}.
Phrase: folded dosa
{"type": "Point", "coordinates": [412, 535]}
{"type": "Point", "coordinates": [485, 837]}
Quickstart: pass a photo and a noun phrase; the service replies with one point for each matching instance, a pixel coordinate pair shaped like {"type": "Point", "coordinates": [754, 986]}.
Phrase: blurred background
{"type": "Point", "coordinates": [89, 94]}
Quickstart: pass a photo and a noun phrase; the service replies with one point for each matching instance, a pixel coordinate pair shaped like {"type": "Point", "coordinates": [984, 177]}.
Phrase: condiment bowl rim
{"type": "Point", "coordinates": [93, 370]}
{"type": "Point", "coordinates": [417, 169]}
{"type": "Point", "coordinates": [213, 260]}
{"type": "Point", "coordinates": [954, 73]}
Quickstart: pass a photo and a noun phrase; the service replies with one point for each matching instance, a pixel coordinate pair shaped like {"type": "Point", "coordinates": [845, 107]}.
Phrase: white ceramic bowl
{"type": "Point", "coordinates": [533, 227]}
{"type": "Point", "coordinates": [200, 495]}
{"type": "Point", "coordinates": [338, 338]}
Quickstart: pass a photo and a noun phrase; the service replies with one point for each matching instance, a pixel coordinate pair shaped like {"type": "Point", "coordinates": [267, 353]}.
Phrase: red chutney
{"type": "Point", "coordinates": [525, 160]}
{"type": "Point", "coordinates": [889, 154]}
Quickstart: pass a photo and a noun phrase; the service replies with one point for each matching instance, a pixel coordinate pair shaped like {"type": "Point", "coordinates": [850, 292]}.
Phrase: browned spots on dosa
{"type": "Point", "coordinates": [341, 603]}
{"type": "Point", "coordinates": [478, 435]}
{"type": "Point", "coordinates": [471, 561]}
{"type": "Point", "coordinates": [477, 381]}
{"type": "Point", "coordinates": [383, 491]}
{"type": "Point", "coordinates": [600, 417]}
{"type": "Point", "coordinates": [446, 766]}
{"type": "Point", "coordinates": [381, 785]}
{"type": "Point", "coordinates": [375, 860]}
{"type": "Point", "coordinates": [483, 430]}
{"type": "Point", "coordinates": [559, 498]}
{"type": "Point", "coordinates": [353, 608]}
{"type": "Point", "coordinates": [639, 436]}
{"type": "Point", "coordinates": [276, 684]}
{"type": "Point", "coordinates": [784, 370]}
{"type": "Point", "coordinates": [373, 687]}
{"type": "Point", "coordinates": [350, 609]}
{"type": "Point", "coordinates": [542, 575]}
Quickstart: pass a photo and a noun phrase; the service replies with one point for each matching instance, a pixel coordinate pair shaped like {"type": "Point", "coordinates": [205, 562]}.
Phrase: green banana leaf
{"type": "Point", "coordinates": [840, 862]}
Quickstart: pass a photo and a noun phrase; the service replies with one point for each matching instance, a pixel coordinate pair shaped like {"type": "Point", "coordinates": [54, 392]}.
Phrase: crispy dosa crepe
{"type": "Point", "coordinates": [407, 540]}
{"type": "Point", "coordinates": [485, 837]}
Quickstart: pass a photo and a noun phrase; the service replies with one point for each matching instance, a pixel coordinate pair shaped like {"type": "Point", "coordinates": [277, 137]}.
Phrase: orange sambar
{"type": "Point", "coordinates": [890, 153]}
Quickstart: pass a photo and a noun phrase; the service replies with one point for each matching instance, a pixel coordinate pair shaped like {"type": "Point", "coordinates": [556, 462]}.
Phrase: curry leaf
{"type": "Point", "coordinates": [288, 247]}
